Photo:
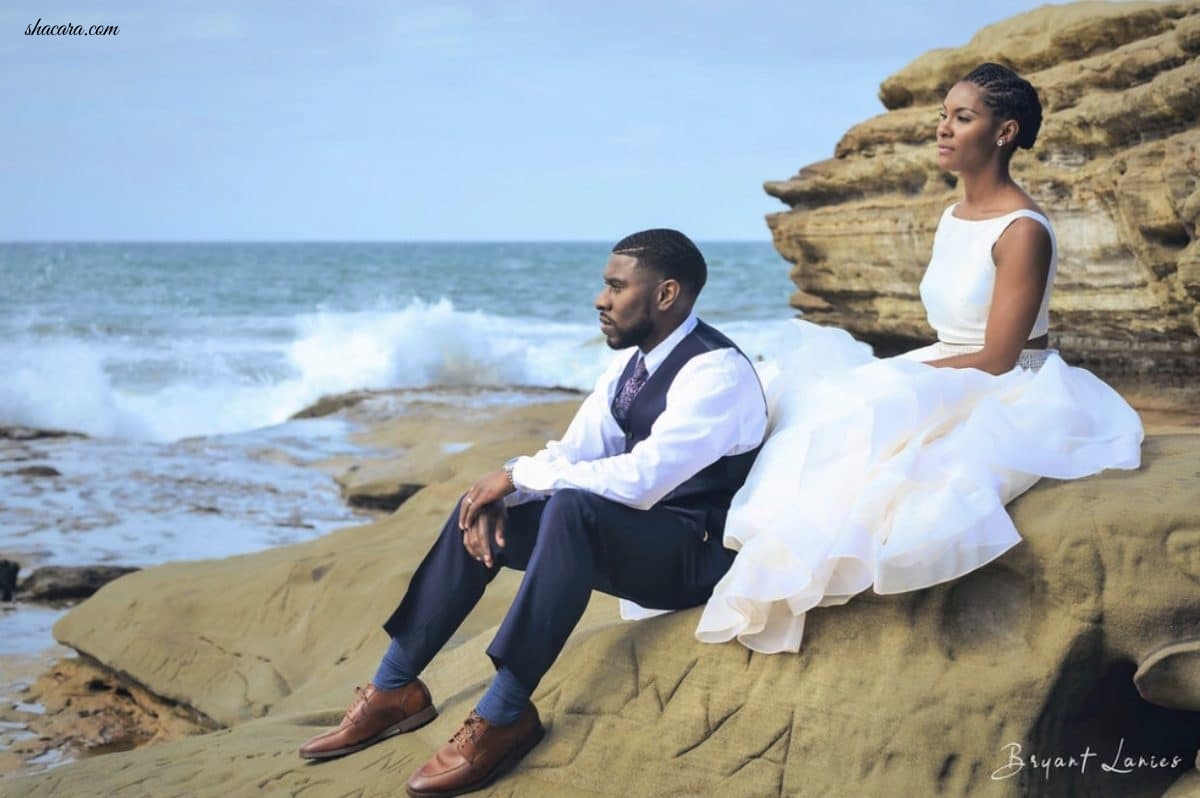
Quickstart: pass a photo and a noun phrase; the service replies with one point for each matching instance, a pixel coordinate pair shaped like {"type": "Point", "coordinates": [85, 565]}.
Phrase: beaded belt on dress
{"type": "Point", "coordinates": [1029, 358]}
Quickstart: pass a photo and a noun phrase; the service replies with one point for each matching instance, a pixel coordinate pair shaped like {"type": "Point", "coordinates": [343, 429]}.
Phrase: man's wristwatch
{"type": "Point", "coordinates": [508, 469]}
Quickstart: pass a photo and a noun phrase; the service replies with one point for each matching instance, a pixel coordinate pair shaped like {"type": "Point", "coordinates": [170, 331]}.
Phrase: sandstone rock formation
{"type": "Point", "coordinates": [916, 694]}
{"type": "Point", "coordinates": [77, 708]}
{"type": "Point", "coordinates": [1116, 166]}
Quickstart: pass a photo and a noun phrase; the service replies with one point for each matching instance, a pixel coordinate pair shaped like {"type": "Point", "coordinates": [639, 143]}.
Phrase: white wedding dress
{"type": "Point", "coordinates": [891, 474]}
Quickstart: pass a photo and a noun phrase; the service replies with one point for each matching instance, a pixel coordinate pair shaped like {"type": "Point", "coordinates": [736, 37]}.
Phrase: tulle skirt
{"type": "Point", "coordinates": [893, 475]}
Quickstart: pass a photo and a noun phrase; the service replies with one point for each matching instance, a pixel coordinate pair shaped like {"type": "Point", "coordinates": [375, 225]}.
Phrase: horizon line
{"type": "Point", "coordinates": [354, 241]}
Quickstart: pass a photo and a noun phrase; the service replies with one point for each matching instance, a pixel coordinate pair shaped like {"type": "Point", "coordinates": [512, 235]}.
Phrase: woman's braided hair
{"type": "Point", "coordinates": [1010, 96]}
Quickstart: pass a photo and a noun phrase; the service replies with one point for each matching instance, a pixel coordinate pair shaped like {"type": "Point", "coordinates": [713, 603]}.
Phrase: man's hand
{"type": "Point", "coordinates": [491, 487]}
{"type": "Point", "coordinates": [489, 523]}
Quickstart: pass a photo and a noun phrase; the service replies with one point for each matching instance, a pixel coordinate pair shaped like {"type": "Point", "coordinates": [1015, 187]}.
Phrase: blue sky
{"type": "Point", "coordinates": [522, 120]}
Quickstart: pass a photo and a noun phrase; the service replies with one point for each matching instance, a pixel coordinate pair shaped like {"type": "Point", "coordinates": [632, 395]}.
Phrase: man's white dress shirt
{"type": "Point", "coordinates": [715, 408]}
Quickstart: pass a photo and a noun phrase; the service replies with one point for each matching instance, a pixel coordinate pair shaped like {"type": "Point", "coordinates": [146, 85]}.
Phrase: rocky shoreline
{"type": "Point", "coordinates": [71, 708]}
{"type": "Point", "coordinates": [66, 705]}
{"type": "Point", "coordinates": [58, 706]}
{"type": "Point", "coordinates": [274, 642]}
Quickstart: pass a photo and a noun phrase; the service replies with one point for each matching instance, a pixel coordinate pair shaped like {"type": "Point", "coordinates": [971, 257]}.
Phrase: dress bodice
{"type": "Point", "coordinates": [957, 287]}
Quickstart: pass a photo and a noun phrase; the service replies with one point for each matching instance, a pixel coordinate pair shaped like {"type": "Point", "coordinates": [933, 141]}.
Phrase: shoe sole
{"type": "Point", "coordinates": [505, 765]}
{"type": "Point", "coordinates": [411, 723]}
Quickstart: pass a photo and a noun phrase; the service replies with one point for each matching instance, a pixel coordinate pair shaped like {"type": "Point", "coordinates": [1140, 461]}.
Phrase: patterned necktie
{"type": "Point", "coordinates": [630, 390]}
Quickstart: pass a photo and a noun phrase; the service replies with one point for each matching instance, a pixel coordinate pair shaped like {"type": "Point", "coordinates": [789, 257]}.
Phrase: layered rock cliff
{"type": "Point", "coordinates": [1116, 166]}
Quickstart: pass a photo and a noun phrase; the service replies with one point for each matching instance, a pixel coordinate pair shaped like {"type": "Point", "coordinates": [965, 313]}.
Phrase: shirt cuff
{"type": "Point", "coordinates": [527, 476]}
{"type": "Point", "coordinates": [523, 493]}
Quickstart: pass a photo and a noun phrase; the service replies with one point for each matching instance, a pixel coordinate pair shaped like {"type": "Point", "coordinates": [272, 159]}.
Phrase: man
{"type": "Point", "coordinates": [632, 502]}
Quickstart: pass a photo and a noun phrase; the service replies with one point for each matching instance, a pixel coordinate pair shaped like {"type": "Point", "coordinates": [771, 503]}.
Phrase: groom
{"type": "Point", "coordinates": [632, 502]}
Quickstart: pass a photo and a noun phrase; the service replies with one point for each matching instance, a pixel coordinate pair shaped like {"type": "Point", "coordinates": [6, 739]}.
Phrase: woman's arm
{"type": "Point", "coordinates": [1022, 257]}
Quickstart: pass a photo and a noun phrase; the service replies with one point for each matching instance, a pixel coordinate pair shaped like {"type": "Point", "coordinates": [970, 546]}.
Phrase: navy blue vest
{"type": "Point", "coordinates": [709, 492]}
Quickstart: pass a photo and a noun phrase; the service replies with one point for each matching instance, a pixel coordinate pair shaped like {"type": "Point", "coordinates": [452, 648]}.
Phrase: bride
{"type": "Point", "coordinates": [893, 473]}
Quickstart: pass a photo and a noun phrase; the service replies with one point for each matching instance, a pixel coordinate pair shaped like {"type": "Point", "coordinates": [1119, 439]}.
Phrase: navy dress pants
{"type": "Point", "coordinates": [568, 545]}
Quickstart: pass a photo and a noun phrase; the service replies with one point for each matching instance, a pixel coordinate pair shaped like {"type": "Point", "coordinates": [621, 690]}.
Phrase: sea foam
{"type": "Point", "coordinates": [219, 378]}
{"type": "Point", "coordinates": [214, 384]}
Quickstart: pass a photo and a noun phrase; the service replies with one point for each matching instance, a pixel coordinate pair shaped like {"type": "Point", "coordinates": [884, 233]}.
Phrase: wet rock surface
{"type": "Point", "coordinates": [8, 579]}
{"type": "Point", "coordinates": [68, 583]}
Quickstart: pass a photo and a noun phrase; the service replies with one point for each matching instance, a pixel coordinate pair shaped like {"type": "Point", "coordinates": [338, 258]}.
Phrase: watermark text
{"type": "Point", "coordinates": [67, 29]}
{"type": "Point", "coordinates": [1119, 763]}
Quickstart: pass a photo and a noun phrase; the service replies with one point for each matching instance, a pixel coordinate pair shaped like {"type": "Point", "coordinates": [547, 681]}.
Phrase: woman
{"type": "Point", "coordinates": [892, 474]}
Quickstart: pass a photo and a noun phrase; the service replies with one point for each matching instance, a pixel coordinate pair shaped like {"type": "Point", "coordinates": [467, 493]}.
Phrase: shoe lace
{"type": "Point", "coordinates": [467, 732]}
{"type": "Point", "coordinates": [357, 709]}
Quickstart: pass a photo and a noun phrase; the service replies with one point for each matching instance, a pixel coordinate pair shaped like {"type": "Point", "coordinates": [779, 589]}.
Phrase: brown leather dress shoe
{"type": "Point", "coordinates": [477, 755]}
{"type": "Point", "coordinates": [375, 715]}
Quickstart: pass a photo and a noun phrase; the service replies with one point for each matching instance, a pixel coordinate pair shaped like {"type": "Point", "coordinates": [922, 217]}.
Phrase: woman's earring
{"type": "Point", "coordinates": [999, 142]}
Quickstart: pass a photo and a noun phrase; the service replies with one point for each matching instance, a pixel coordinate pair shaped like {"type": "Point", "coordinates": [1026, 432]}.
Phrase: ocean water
{"type": "Point", "coordinates": [182, 364]}
{"type": "Point", "coordinates": [163, 341]}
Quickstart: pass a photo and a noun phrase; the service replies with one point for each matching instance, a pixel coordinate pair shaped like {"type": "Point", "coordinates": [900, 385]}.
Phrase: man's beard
{"type": "Point", "coordinates": [633, 336]}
